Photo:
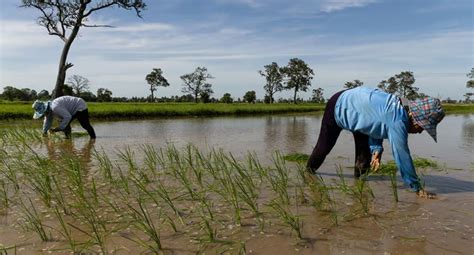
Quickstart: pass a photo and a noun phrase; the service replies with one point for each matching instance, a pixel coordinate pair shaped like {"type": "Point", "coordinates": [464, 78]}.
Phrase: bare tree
{"type": "Point", "coordinates": [64, 18]}
{"type": "Point", "coordinates": [78, 83]}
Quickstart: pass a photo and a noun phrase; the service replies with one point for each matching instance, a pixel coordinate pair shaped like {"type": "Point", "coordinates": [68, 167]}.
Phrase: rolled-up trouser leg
{"type": "Point", "coordinates": [327, 136]}
{"type": "Point", "coordinates": [362, 154]}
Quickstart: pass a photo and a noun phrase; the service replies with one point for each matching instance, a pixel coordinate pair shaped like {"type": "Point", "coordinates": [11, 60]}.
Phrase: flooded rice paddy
{"type": "Point", "coordinates": [189, 185]}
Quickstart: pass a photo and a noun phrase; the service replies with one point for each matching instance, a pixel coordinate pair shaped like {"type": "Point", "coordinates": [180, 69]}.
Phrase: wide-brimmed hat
{"type": "Point", "coordinates": [40, 108]}
{"type": "Point", "coordinates": [427, 113]}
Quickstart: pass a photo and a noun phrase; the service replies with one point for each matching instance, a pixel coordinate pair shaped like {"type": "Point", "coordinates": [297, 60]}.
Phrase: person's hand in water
{"type": "Point", "coordinates": [375, 162]}
{"type": "Point", "coordinates": [425, 194]}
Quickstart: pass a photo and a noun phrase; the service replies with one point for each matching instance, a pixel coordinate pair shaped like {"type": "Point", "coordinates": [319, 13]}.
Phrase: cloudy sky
{"type": "Point", "coordinates": [341, 40]}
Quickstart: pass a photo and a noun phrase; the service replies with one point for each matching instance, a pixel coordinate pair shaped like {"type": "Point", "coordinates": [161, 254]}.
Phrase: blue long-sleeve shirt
{"type": "Point", "coordinates": [379, 115]}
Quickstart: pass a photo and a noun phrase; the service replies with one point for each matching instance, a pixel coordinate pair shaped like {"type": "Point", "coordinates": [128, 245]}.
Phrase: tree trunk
{"type": "Point", "coordinates": [152, 95]}
{"type": "Point", "coordinates": [63, 65]}
{"type": "Point", "coordinates": [294, 97]}
{"type": "Point", "coordinates": [196, 97]}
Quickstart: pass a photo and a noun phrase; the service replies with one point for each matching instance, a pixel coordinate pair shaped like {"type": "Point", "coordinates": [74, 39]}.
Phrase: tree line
{"type": "Point", "coordinates": [197, 88]}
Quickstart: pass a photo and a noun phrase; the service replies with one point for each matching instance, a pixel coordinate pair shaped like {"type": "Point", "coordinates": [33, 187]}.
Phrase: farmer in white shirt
{"type": "Point", "coordinates": [66, 108]}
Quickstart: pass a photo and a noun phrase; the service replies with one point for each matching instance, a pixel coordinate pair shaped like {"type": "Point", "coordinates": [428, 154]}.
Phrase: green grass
{"type": "Point", "coordinates": [296, 157]}
{"type": "Point", "coordinates": [22, 110]}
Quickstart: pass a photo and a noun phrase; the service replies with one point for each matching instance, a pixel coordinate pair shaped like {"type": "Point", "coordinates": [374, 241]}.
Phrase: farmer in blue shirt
{"type": "Point", "coordinates": [66, 108]}
{"type": "Point", "coordinates": [373, 115]}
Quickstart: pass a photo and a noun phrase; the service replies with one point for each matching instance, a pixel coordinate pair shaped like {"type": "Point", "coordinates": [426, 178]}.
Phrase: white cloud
{"type": "Point", "coordinates": [17, 35]}
{"type": "Point", "coordinates": [145, 27]}
{"type": "Point", "coordinates": [337, 5]}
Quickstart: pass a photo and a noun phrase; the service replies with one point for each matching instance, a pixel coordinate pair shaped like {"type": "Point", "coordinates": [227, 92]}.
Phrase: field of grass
{"type": "Point", "coordinates": [22, 110]}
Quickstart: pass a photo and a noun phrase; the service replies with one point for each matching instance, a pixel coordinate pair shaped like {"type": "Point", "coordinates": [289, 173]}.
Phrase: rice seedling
{"type": "Point", "coordinates": [150, 159]}
{"type": "Point", "coordinates": [296, 157]}
{"type": "Point", "coordinates": [66, 232]}
{"type": "Point", "coordinates": [4, 249]}
{"type": "Point", "coordinates": [279, 178]}
{"type": "Point", "coordinates": [285, 214]}
{"type": "Point", "coordinates": [143, 221]}
{"type": "Point", "coordinates": [58, 196]}
{"type": "Point", "coordinates": [393, 183]}
{"type": "Point", "coordinates": [360, 191]}
{"type": "Point", "coordinates": [128, 157]}
{"type": "Point", "coordinates": [4, 194]}
{"type": "Point", "coordinates": [97, 229]}
{"type": "Point", "coordinates": [189, 161]}
{"type": "Point", "coordinates": [319, 190]}
{"type": "Point", "coordinates": [105, 165]}
{"type": "Point", "coordinates": [162, 192]}
{"type": "Point", "coordinates": [33, 221]}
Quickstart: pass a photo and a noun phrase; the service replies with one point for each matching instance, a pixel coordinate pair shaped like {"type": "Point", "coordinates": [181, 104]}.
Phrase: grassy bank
{"type": "Point", "coordinates": [22, 110]}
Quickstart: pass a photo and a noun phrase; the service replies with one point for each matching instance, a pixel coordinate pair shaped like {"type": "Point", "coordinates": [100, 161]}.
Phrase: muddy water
{"type": "Point", "coordinates": [411, 226]}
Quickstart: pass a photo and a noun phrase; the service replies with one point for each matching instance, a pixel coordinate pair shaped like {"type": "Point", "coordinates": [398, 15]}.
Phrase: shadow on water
{"type": "Point", "coordinates": [435, 183]}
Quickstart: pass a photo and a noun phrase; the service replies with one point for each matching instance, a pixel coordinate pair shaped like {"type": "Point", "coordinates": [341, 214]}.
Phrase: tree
{"type": "Point", "coordinates": [401, 85]}
{"type": "Point", "coordinates": [227, 99]}
{"type": "Point", "coordinates": [298, 76]}
{"type": "Point", "coordinates": [64, 18]}
{"type": "Point", "coordinates": [11, 93]}
{"type": "Point", "coordinates": [104, 95]}
{"type": "Point", "coordinates": [317, 96]}
{"type": "Point", "coordinates": [43, 95]}
{"type": "Point", "coordinates": [156, 79]}
{"type": "Point", "coordinates": [353, 84]}
{"type": "Point", "coordinates": [67, 90]}
{"type": "Point", "coordinates": [79, 84]}
{"type": "Point", "coordinates": [250, 97]}
{"type": "Point", "coordinates": [195, 83]}
{"type": "Point", "coordinates": [274, 77]}
{"type": "Point", "coordinates": [88, 96]}
{"type": "Point", "coordinates": [470, 83]}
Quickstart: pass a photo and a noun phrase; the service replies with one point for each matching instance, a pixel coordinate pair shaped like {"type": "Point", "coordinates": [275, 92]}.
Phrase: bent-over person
{"type": "Point", "coordinates": [372, 116]}
{"type": "Point", "coordinates": [66, 108]}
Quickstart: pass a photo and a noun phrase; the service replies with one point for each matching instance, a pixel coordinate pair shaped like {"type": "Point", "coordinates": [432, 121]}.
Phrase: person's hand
{"type": "Point", "coordinates": [375, 162]}
{"type": "Point", "coordinates": [425, 194]}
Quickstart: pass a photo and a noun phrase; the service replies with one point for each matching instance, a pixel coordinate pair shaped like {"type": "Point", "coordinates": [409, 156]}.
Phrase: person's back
{"type": "Point", "coordinates": [68, 103]}
{"type": "Point", "coordinates": [369, 111]}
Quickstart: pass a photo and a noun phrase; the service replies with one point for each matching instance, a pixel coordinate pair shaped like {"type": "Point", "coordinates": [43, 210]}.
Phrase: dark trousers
{"type": "Point", "coordinates": [327, 139]}
{"type": "Point", "coordinates": [83, 118]}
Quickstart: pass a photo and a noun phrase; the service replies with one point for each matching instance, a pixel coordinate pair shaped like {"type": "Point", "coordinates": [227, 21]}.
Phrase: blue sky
{"type": "Point", "coordinates": [341, 40]}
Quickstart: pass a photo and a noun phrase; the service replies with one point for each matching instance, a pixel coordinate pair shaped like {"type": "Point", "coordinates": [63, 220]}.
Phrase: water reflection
{"type": "Point", "coordinates": [265, 134]}
{"type": "Point", "coordinates": [468, 133]}
{"type": "Point", "coordinates": [58, 150]}
{"type": "Point", "coordinates": [296, 134]}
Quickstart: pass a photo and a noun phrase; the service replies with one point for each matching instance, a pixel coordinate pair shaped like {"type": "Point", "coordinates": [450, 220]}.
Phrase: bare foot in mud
{"type": "Point", "coordinates": [425, 194]}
